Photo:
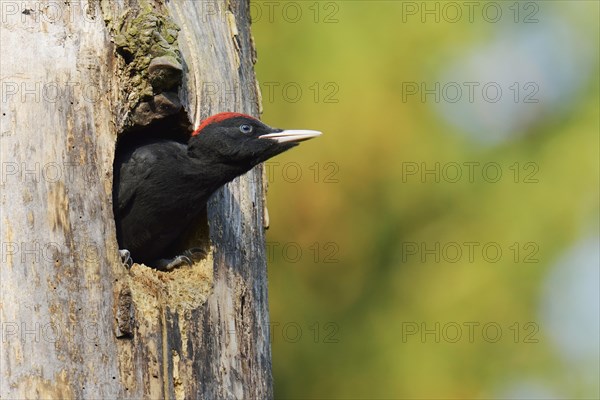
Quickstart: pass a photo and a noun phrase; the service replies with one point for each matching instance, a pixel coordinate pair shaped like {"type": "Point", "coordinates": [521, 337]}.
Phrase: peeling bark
{"type": "Point", "coordinates": [75, 323]}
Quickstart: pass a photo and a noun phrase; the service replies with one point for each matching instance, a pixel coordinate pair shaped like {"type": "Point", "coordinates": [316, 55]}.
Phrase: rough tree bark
{"type": "Point", "coordinates": [75, 323]}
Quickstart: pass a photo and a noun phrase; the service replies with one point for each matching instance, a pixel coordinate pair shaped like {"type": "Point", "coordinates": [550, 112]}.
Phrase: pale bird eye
{"type": "Point", "coordinates": [245, 128]}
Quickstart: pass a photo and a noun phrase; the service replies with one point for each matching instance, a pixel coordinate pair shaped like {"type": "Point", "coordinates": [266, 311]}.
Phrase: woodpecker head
{"type": "Point", "coordinates": [239, 139]}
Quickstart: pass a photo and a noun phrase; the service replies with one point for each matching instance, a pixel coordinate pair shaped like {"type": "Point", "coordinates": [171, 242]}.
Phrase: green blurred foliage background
{"type": "Point", "coordinates": [374, 292]}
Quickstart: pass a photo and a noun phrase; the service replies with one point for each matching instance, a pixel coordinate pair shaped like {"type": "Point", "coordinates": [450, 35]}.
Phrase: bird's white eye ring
{"type": "Point", "coordinates": [245, 128]}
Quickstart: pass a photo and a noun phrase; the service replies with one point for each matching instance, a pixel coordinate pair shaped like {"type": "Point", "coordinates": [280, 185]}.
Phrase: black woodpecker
{"type": "Point", "coordinates": [161, 186]}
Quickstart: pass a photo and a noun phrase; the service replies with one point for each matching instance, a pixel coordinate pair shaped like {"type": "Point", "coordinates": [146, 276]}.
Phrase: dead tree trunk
{"type": "Point", "coordinates": [75, 323]}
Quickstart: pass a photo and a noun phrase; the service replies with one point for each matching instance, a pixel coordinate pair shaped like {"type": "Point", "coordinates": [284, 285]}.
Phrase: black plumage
{"type": "Point", "coordinates": [160, 186]}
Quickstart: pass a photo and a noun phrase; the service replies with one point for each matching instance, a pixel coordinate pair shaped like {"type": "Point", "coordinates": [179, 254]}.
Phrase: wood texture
{"type": "Point", "coordinates": [75, 323]}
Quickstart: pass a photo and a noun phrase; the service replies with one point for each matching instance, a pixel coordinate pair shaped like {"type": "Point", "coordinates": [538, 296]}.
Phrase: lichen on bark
{"type": "Point", "coordinates": [150, 69]}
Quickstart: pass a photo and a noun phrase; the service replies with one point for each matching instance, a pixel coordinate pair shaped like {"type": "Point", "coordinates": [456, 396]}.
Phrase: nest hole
{"type": "Point", "coordinates": [175, 127]}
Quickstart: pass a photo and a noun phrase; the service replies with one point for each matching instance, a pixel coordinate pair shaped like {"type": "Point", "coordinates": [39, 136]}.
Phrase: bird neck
{"type": "Point", "coordinates": [209, 172]}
